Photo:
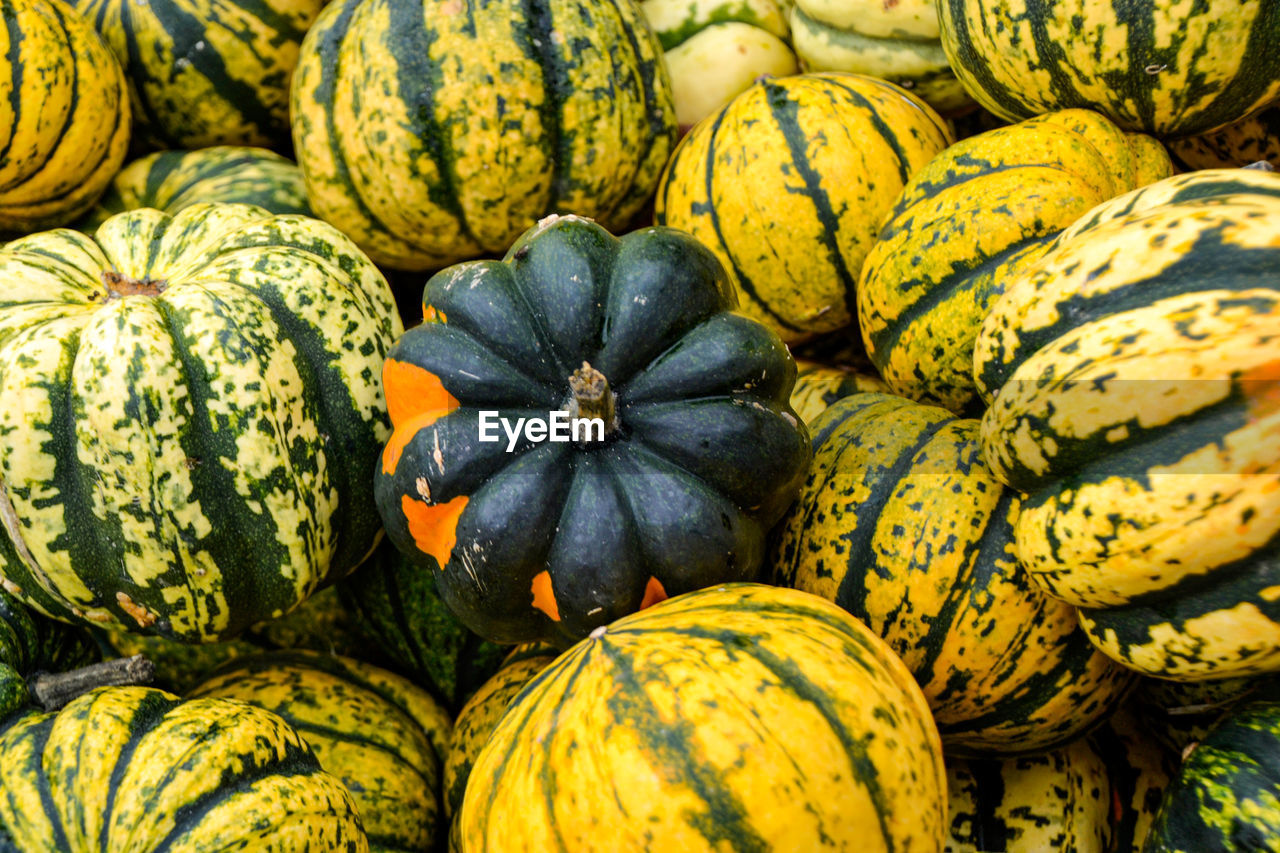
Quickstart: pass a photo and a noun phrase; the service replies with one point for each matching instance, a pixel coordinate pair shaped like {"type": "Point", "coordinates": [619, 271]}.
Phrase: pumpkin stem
{"type": "Point", "coordinates": [53, 690]}
{"type": "Point", "coordinates": [592, 398]}
{"type": "Point", "coordinates": [118, 285]}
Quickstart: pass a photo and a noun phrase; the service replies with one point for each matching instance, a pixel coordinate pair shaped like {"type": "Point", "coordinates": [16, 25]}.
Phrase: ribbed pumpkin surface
{"type": "Point", "coordinates": [396, 604]}
{"type": "Point", "coordinates": [1167, 67]}
{"type": "Point", "coordinates": [901, 524]}
{"type": "Point", "coordinates": [895, 41]}
{"type": "Point", "coordinates": [788, 184]}
{"type": "Point", "coordinates": [431, 136]}
{"type": "Point", "coordinates": [137, 769]}
{"type": "Point", "coordinates": [1098, 794]}
{"type": "Point", "coordinates": [976, 215]}
{"type": "Point", "coordinates": [1240, 143]}
{"type": "Point", "coordinates": [477, 718]}
{"type": "Point", "coordinates": [818, 386]}
{"type": "Point", "coordinates": [229, 174]}
{"type": "Point", "coordinates": [696, 458]}
{"type": "Point", "coordinates": [64, 115]}
{"type": "Point", "coordinates": [740, 717]}
{"type": "Point", "coordinates": [204, 73]}
{"type": "Point", "coordinates": [1138, 380]}
{"type": "Point", "coordinates": [195, 412]}
{"type": "Point", "coordinates": [1226, 796]}
{"type": "Point", "coordinates": [375, 731]}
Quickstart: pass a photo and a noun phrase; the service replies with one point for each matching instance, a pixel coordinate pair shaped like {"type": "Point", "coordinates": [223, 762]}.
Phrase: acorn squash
{"type": "Point", "coordinates": [676, 448]}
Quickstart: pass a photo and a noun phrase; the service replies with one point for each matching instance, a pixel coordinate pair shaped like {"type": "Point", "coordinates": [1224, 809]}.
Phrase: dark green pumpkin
{"type": "Point", "coordinates": [1226, 796]}
{"type": "Point", "coordinates": [394, 602]}
{"type": "Point", "coordinates": [29, 643]}
{"type": "Point", "coordinates": [701, 451]}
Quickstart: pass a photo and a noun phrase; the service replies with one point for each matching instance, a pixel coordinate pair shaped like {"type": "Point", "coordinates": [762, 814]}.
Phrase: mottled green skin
{"type": "Point", "coordinates": [196, 410]}
{"type": "Point", "coordinates": [1226, 796]}
{"type": "Point", "coordinates": [706, 454]}
{"type": "Point", "coordinates": [229, 174]}
{"type": "Point", "coordinates": [902, 525]}
{"type": "Point", "coordinates": [320, 623]}
{"type": "Point", "coordinates": [30, 642]}
{"type": "Point", "coordinates": [205, 73]}
{"type": "Point", "coordinates": [395, 603]}
{"type": "Point", "coordinates": [1168, 67]}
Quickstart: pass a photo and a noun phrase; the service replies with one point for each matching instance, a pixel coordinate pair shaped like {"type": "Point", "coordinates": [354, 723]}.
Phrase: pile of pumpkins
{"type": "Point", "coordinates": [918, 365]}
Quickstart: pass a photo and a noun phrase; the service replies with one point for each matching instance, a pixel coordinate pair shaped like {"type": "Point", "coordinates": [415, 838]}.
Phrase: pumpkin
{"type": "Point", "coordinates": [172, 180]}
{"type": "Point", "coordinates": [394, 602]}
{"type": "Point", "coordinates": [714, 49]}
{"type": "Point", "coordinates": [477, 718]}
{"type": "Point", "coordinates": [1226, 796]}
{"type": "Point", "coordinates": [482, 123]}
{"type": "Point", "coordinates": [1250, 140]}
{"type": "Point", "coordinates": [818, 386]}
{"type": "Point", "coordinates": [901, 524]}
{"type": "Point", "coordinates": [196, 410]}
{"type": "Point", "coordinates": [66, 119]}
{"type": "Point", "coordinates": [1136, 378]}
{"type": "Point", "coordinates": [736, 717]}
{"type": "Point", "coordinates": [683, 449]}
{"type": "Point", "coordinates": [203, 73]}
{"type": "Point", "coordinates": [135, 768]}
{"type": "Point", "coordinates": [378, 733]}
{"type": "Point", "coordinates": [788, 183]}
{"type": "Point", "coordinates": [1097, 794]}
{"type": "Point", "coordinates": [976, 215]}
{"type": "Point", "coordinates": [321, 623]}
{"type": "Point", "coordinates": [1154, 66]}
{"type": "Point", "coordinates": [895, 41]}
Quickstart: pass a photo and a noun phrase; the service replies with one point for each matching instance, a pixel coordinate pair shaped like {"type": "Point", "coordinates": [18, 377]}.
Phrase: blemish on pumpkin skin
{"type": "Point", "coordinates": [144, 617]}
{"type": "Point", "coordinates": [411, 390]}
{"type": "Point", "coordinates": [1261, 389]}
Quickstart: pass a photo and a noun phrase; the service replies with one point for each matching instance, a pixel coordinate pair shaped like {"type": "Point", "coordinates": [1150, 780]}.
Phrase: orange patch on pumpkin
{"type": "Point", "coordinates": [411, 390]}
{"type": "Point", "coordinates": [544, 597]}
{"type": "Point", "coordinates": [1261, 387]}
{"type": "Point", "coordinates": [434, 528]}
{"type": "Point", "coordinates": [403, 434]}
{"type": "Point", "coordinates": [430, 314]}
{"type": "Point", "coordinates": [653, 593]}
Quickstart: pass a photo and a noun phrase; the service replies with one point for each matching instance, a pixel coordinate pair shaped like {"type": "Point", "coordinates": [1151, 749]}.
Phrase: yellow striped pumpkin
{"type": "Point", "coordinates": [1137, 405]}
{"type": "Point", "coordinates": [978, 213]}
{"type": "Point", "coordinates": [1098, 794]}
{"type": "Point", "coordinates": [431, 136]}
{"type": "Point", "coordinates": [229, 174]}
{"type": "Point", "coordinates": [203, 73]}
{"type": "Point", "coordinates": [477, 718]}
{"type": "Point", "coordinates": [1250, 140]}
{"type": "Point", "coordinates": [741, 717]}
{"type": "Point", "coordinates": [901, 524]}
{"type": "Point", "coordinates": [788, 184]}
{"type": "Point", "coordinates": [64, 115]}
{"type": "Point", "coordinates": [137, 769]}
{"type": "Point", "coordinates": [377, 732]}
{"type": "Point", "coordinates": [1167, 67]}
